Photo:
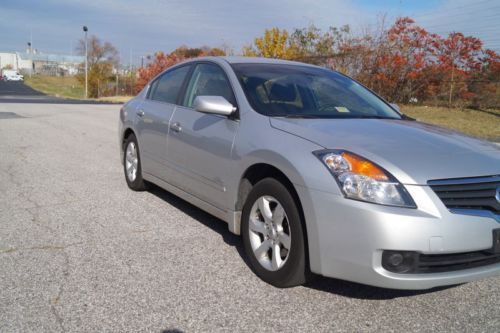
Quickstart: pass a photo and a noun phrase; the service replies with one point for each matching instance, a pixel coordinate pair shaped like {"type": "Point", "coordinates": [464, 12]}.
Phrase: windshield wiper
{"type": "Point", "coordinates": [405, 117]}
{"type": "Point", "coordinates": [325, 116]}
{"type": "Point", "coordinates": [304, 116]}
{"type": "Point", "coordinates": [374, 117]}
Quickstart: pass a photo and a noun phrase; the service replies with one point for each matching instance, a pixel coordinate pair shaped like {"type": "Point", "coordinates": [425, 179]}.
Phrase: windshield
{"type": "Point", "coordinates": [278, 90]}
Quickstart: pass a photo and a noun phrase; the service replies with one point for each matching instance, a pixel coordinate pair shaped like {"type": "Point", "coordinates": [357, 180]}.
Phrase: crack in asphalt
{"type": "Point", "coordinates": [56, 300]}
{"type": "Point", "coordinates": [10, 173]}
{"type": "Point", "coordinates": [35, 217]}
{"type": "Point", "coordinates": [40, 247]}
{"type": "Point", "coordinates": [43, 206]}
{"type": "Point", "coordinates": [12, 177]}
{"type": "Point", "coordinates": [21, 154]}
{"type": "Point", "coordinates": [65, 274]}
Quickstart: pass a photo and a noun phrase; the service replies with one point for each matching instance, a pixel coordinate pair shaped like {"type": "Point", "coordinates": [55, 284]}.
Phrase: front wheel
{"type": "Point", "coordinates": [273, 235]}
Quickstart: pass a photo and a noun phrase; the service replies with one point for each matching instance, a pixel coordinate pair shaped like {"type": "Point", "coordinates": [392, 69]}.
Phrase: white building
{"type": "Point", "coordinates": [12, 60]}
{"type": "Point", "coordinates": [41, 63]}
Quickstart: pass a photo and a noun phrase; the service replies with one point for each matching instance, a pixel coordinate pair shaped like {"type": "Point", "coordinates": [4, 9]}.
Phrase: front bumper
{"type": "Point", "coordinates": [347, 238]}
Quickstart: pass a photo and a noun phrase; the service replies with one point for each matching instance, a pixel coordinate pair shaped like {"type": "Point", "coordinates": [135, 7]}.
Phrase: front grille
{"type": "Point", "coordinates": [479, 193]}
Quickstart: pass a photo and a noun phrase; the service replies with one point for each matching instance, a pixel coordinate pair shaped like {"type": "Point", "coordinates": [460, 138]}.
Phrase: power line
{"type": "Point", "coordinates": [468, 7]}
{"type": "Point", "coordinates": [491, 14]}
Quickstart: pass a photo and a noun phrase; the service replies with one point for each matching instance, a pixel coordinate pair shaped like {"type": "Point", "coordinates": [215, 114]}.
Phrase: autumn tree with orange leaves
{"type": "Point", "coordinates": [162, 61]}
{"type": "Point", "coordinates": [404, 63]}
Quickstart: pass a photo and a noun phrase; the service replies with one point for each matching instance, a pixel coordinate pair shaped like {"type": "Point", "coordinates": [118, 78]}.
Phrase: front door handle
{"type": "Point", "coordinates": [176, 127]}
{"type": "Point", "coordinates": [140, 112]}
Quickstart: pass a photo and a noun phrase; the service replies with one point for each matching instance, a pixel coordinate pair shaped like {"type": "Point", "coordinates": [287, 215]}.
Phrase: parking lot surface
{"type": "Point", "coordinates": [80, 252]}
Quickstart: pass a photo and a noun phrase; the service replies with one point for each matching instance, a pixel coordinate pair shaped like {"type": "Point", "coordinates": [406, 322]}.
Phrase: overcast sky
{"type": "Point", "coordinates": [139, 27]}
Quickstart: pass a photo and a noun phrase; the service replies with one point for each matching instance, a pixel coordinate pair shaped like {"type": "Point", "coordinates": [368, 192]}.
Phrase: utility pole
{"type": "Point", "coordinates": [30, 44]}
{"type": "Point", "coordinates": [130, 61]}
{"type": "Point", "coordinates": [85, 29]}
{"type": "Point", "coordinates": [31, 57]}
{"type": "Point", "coordinates": [130, 69]}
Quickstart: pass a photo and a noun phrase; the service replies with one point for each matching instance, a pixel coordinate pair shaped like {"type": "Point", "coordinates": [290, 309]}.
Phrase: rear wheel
{"type": "Point", "coordinates": [273, 235]}
{"type": "Point", "coordinates": [132, 164]}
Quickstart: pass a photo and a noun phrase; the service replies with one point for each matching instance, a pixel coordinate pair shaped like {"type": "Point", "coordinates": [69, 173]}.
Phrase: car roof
{"type": "Point", "coordinates": [236, 60]}
{"type": "Point", "coordinates": [251, 60]}
{"type": "Point", "coordinates": [258, 60]}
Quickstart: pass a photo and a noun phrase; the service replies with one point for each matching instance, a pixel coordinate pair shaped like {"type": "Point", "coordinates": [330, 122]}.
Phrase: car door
{"type": "Point", "coordinates": [200, 144]}
{"type": "Point", "coordinates": [153, 120]}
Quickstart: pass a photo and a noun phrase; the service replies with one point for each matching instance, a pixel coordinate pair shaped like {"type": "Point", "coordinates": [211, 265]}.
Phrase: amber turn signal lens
{"type": "Point", "coordinates": [363, 167]}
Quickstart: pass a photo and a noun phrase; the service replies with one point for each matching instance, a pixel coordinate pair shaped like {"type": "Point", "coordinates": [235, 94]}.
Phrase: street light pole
{"type": "Point", "coordinates": [31, 58]}
{"type": "Point", "coordinates": [85, 29]}
{"type": "Point", "coordinates": [30, 44]}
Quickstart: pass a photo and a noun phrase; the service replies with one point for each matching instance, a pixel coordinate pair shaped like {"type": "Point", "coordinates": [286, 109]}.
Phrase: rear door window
{"type": "Point", "coordinates": [167, 87]}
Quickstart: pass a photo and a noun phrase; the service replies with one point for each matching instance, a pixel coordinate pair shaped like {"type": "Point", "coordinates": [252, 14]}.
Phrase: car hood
{"type": "Point", "coordinates": [413, 152]}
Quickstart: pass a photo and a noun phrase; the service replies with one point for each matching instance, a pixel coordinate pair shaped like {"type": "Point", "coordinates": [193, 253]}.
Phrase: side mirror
{"type": "Point", "coordinates": [213, 104]}
{"type": "Point", "coordinates": [395, 106]}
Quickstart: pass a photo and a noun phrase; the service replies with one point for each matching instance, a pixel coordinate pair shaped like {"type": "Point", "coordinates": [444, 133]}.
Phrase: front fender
{"type": "Point", "coordinates": [292, 156]}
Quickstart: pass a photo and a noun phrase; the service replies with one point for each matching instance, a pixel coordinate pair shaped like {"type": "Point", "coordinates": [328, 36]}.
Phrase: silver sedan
{"type": "Point", "coordinates": [317, 173]}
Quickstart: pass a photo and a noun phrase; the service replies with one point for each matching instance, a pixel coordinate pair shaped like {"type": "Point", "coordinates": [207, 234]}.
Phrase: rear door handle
{"type": "Point", "coordinates": [140, 112]}
{"type": "Point", "coordinates": [176, 127]}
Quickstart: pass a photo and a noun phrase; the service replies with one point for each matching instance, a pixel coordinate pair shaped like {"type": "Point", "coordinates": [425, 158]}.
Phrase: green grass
{"type": "Point", "coordinates": [66, 87]}
{"type": "Point", "coordinates": [60, 86]}
{"type": "Point", "coordinates": [116, 99]}
{"type": "Point", "coordinates": [482, 124]}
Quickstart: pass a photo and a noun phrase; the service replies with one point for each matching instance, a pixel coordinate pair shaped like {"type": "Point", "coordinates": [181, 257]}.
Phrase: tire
{"type": "Point", "coordinates": [288, 268]}
{"type": "Point", "coordinates": [132, 161]}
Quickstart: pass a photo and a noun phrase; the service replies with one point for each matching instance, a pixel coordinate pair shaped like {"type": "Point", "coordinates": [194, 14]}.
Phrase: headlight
{"type": "Point", "coordinates": [363, 180]}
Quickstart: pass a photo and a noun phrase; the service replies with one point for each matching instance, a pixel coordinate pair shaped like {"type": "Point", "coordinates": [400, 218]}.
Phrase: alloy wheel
{"type": "Point", "coordinates": [269, 231]}
{"type": "Point", "coordinates": [131, 161]}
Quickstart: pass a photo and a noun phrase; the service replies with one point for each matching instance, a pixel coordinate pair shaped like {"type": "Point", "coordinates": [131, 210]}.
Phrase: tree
{"type": "Point", "coordinates": [402, 60]}
{"type": "Point", "coordinates": [184, 52]}
{"type": "Point", "coordinates": [98, 51]}
{"type": "Point", "coordinates": [315, 46]}
{"type": "Point", "coordinates": [274, 44]}
{"type": "Point", "coordinates": [484, 83]}
{"type": "Point", "coordinates": [163, 61]}
{"type": "Point", "coordinates": [311, 41]}
{"type": "Point", "coordinates": [99, 76]}
{"type": "Point", "coordinates": [102, 57]}
{"type": "Point", "coordinates": [459, 55]}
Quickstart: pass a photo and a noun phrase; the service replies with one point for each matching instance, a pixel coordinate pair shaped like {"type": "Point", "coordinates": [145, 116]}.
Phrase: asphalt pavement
{"type": "Point", "coordinates": [80, 252]}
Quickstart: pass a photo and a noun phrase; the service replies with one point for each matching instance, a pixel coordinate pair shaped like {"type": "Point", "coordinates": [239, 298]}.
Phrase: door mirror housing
{"type": "Point", "coordinates": [213, 104]}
